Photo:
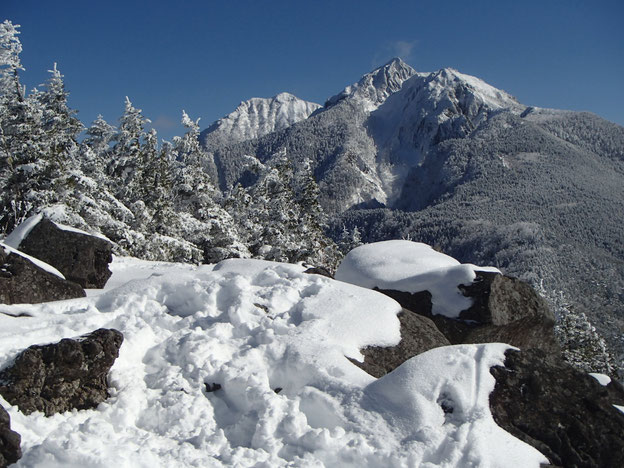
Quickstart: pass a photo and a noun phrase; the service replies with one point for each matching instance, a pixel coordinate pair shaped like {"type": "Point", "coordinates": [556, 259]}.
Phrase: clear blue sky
{"type": "Point", "coordinates": [207, 56]}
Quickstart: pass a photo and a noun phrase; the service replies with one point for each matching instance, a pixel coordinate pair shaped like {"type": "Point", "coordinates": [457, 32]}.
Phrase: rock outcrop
{"type": "Point", "coordinates": [70, 374]}
{"type": "Point", "coordinates": [564, 413]}
{"type": "Point", "coordinates": [418, 334]}
{"type": "Point", "coordinates": [81, 257]}
{"type": "Point", "coordinates": [23, 282]}
{"type": "Point", "coordinates": [10, 450]}
{"type": "Point", "coordinates": [504, 309]}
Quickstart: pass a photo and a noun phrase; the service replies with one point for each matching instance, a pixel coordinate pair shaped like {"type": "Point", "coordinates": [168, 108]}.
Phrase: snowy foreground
{"type": "Point", "coordinates": [256, 327]}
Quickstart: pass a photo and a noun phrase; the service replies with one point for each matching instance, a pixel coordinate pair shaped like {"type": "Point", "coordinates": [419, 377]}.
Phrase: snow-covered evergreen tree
{"type": "Point", "coordinates": [124, 165]}
{"type": "Point", "coordinates": [96, 148]}
{"type": "Point", "coordinates": [208, 224]}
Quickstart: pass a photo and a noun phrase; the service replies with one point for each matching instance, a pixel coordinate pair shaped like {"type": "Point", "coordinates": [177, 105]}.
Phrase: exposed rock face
{"type": "Point", "coordinates": [504, 310]}
{"type": "Point", "coordinates": [23, 282]}
{"type": "Point", "coordinates": [418, 334]}
{"type": "Point", "coordinates": [70, 374]}
{"type": "Point", "coordinates": [566, 414]}
{"type": "Point", "coordinates": [10, 450]}
{"type": "Point", "coordinates": [80, 257]}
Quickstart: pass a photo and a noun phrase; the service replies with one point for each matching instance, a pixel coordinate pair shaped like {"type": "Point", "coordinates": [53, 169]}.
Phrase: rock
{"type": "Point", "coordinates": [504, 310]}
{"type": "Point", "coordinates": [10, 450]}
{"type": "Point", "coordinates": [564, 413]}
{"type": "Point", "coordinates": [70, 374]}
{"type": "Point", "coordinates": [23, 282]}
{"type": "Point", "coordinates": [82, 258]}
{"type": "Point", "coordinates": [316, 270]}
{"type": "Point", "coordinates": [418, 334]}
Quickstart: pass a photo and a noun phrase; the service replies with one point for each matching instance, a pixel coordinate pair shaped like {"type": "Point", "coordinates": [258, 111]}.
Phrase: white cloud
{"type": "Point", "coordinates": [400, 48]}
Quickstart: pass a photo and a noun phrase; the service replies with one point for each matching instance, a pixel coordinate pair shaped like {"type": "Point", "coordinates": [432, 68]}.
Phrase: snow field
{"type": "Point", "coordinates": [276, 342]}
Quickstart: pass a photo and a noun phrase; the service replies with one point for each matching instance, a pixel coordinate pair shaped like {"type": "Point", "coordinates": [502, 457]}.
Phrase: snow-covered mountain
{"type": "Point", "coordinates": [257, 117]}
{"type": "Point", "coordinates": [481, 175]}
{"type": "Point", "coordinates": [367, 137]}
{"type": "Point", "coordinates": [375, 87]}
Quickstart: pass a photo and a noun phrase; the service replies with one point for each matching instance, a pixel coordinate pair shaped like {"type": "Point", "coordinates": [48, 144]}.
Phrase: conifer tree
{"type": "Point", "coordinates": [211, 226]}
{"type": "Point", "coordinates": [96, 148]}
{"type": "Point", "coordinates": [124, 167]}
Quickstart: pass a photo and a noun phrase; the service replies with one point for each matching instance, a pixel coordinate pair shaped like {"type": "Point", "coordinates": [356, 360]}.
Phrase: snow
{"type": "Point", "coordinates": [257, 117]}
{"type": "Point", "coordinates": [36, 261]}
{"type": "Point", "coordinates": [64, 227]}
{"type": "Point", "coordinates": [21, 232]}
{"type": "Point", "coordinates": [411, 267]}
{"type": "Point", "coordinates": [255, 328]}
{"type": "Point", "coordinates": [23, 229]}
{"type": "Point", "coordinates": [602, 379]}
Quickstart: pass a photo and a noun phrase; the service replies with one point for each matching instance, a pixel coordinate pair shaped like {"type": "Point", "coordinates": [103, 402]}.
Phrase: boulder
{"type": "Point", "coordinates": [70, 374]}
{"type": "Point", "coordinates": [23, 282]}
{"type": "Point", "coordinates": [418, 334]}
{"type": "Point", "coordinates": [504, 309]}
{"type": "Point", "coordinates": [10, 450]}
{"type": "Point", "coordinates": [564, 413]}
{"type": "Point", "coordinates": [81, 257]}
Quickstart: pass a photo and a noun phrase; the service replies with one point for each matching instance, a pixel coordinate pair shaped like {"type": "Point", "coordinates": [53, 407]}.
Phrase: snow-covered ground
{"type": "Point", "coordinates": [276, 340]}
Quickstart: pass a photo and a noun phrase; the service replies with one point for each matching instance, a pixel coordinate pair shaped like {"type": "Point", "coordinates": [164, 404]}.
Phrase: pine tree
{"type": "Point", "coordinates": [124, 167]}
{"type": "Point", "coordinates": [59, 122]}
{"type": "Point", "coordinates": [96, 148]}
{"type": "Point", "coordinates": [210, 226]}
{"type": "Point", "coordinates": [13, 125]}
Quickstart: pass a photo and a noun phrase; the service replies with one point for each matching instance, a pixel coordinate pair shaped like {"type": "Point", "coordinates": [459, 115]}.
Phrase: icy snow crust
{"type": "Point", "coordinates": [411, 267]}
{"type": "Point", "coordinates": [255, 328]}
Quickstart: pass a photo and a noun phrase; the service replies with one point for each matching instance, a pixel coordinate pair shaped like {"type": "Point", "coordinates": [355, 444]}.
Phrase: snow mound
{"type": "Point", "coordinates": [411, 267]}
{"type": "Point", "coordinates": [246, 365]}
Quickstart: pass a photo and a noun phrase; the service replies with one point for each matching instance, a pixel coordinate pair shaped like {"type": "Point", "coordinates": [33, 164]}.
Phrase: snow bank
{"type": "Point", "coordinates": [411, 267]}
{"type": "Point", "coordinates": [246, 365]}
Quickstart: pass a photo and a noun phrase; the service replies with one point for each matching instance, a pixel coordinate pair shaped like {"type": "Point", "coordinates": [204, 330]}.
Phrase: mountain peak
{"type": "Point", "coordinates": [257, 117]}
{"type": "Point", "coordinates": [494, 98]}
{"type": "Point", "coordinates": [375, 87]}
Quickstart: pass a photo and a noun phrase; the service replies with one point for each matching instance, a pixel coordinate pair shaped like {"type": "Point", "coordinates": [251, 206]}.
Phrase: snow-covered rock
{"type": "Point", "coordinates": [27, 280]}
{"type": "Point", "coordinates": [81, 257]}
{"type": "Point", "coordinates": [411, 267]}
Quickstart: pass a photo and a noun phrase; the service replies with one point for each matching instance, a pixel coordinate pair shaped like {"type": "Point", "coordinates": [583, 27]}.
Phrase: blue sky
{"type": "Point", "coordinates": [206, 56]}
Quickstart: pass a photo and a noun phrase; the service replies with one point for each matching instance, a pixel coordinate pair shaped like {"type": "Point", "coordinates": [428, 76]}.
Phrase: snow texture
{"type": "Point", "coordinates": [245, 364]}
{"type": "Point", "coordinates": [411, 267]}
